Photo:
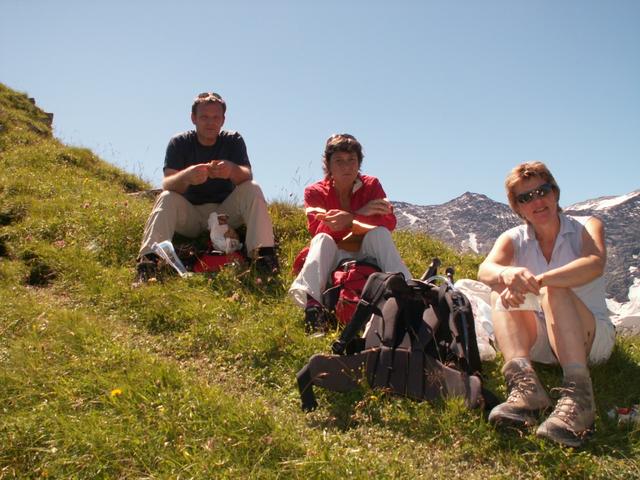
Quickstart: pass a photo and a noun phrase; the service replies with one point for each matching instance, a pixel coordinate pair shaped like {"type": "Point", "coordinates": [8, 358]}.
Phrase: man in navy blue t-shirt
{"type": "Point", "coordinates": [207, 170]}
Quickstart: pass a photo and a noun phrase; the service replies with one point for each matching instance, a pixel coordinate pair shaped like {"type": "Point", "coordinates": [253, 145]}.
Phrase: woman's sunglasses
{"type": "Point", "coordinates": [539, 192]}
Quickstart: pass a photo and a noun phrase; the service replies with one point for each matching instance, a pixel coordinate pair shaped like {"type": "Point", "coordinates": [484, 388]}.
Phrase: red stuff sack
{"type": "Point", "coordinates": [210, 262]}
{"type": "Point", "coordinates": [347, 282]}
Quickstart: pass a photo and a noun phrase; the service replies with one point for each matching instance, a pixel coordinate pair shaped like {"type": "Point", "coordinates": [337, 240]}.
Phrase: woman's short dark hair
{"type": "Point", "coordinates": [341, 142]}
{"type": "Point", "coordinates": [524, 171]}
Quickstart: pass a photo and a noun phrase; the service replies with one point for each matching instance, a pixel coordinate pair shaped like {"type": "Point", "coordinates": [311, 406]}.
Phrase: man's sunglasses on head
{"type": "Point", "coordinates": [209, 94]}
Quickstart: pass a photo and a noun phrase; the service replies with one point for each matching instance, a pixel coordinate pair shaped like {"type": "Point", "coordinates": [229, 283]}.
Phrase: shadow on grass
{"type": "Point", "coordinates": [337, 410]}
{"type": "Point", "coordinates": [615, 384]}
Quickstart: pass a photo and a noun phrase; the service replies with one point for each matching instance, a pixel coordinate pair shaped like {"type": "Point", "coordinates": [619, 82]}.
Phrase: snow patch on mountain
{"type": "Point", "coordinates": [473, 242]}
{"type": "Point", "coordinates": [412, 218]}
{"type": "Point", "coordinates": [604, 202]}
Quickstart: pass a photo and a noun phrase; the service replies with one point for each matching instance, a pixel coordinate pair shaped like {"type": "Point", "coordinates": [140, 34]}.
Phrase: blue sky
{"type": "Point", "coordinates": [445, 96]}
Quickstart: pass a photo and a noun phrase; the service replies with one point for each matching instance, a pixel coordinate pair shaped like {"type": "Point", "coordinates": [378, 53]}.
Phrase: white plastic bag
{"type": "Point", "coordinates": [626, 316]}
{"type": "Point", "coordinates": [166, 251]}
{"type": "Point", "coordinates": [479, 296]}
{"type": "Point", "coordinates": [222, 237]}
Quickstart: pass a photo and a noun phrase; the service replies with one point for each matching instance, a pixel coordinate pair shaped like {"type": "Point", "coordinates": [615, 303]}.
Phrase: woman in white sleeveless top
{"type": "Point", "coordinates": [548, 306]}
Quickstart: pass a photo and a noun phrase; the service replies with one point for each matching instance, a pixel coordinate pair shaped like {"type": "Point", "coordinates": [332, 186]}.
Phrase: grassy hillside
{"type": "Point", "coordinates": [194, 378]}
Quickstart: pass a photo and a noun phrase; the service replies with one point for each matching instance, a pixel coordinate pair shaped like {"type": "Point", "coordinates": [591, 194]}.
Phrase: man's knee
{"type": "Point", "coordinates": [249, 189]}
{"type": "Point", "coordinates": [170, 200]}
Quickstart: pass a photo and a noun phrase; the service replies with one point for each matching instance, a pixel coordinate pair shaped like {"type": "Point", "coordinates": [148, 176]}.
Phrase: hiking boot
{"type": "Point", "coordinates": [527, 397]}
{"type": "Point", "coordinates": [266, 261]}
{"type": "Point", "coordinates": [315, 320]}
{"type": "Point", "coordinates": [573, 418]}
{"type": "Point", "coordinates": [147, 269]}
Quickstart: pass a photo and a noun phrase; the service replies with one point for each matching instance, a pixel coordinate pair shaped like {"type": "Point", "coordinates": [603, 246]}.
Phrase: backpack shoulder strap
{"type": "Point", "coordinates": [461, 327]}
{"type": "Point", "coordinates": [379, 286]}
{"type": "Point", "coordinates": [463, 312]}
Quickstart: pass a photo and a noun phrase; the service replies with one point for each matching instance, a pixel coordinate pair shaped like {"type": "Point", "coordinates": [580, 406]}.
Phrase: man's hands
{"type": "Point", "coordinates": [198, 174]}
{"type": "Point", "coordinates": [220, 168]}
{"type": "Point", "coordinates": [180, 180]}
{"type": "Point", "coordinates": [518, 282]}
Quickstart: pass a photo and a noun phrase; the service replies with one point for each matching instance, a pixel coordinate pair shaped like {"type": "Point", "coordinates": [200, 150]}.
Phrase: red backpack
{"type": "Point", "coordinates": [347, 282]}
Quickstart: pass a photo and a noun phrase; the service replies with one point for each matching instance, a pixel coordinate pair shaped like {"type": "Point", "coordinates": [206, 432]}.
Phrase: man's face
{"type": "Point", "coordinates": [208, 119]}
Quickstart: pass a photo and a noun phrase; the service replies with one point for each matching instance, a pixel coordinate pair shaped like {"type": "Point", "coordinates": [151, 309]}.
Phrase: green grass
{"type": "Point", "coordinates": [195, 378]}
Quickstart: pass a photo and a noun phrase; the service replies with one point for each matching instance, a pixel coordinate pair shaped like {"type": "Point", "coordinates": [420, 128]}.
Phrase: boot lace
{"type": "Point", "coordinates": [520, 385]}
{"type": "Point", "coordinates": [570, 404]}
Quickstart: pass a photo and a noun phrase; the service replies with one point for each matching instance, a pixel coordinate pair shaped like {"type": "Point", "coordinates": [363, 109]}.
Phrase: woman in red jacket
{"type": "Point", "coordinates": [349, 217]}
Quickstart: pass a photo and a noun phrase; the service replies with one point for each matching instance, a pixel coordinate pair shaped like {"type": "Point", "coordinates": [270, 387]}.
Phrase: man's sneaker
{"type": "Point", "coordinates": [147, 269]}
{"type": "Point", "coordinates": [527, 397]}
{"type": "Point", "coordinates": [573, 418]}
{"type": "Point", "coordinates": [266, 261]}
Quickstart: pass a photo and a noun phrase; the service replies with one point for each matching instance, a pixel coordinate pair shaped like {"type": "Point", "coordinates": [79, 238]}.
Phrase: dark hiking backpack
{"type": "Point", "coordinates": [420, 342]}
{"type": "Point", "coordinates": [347, 282]}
